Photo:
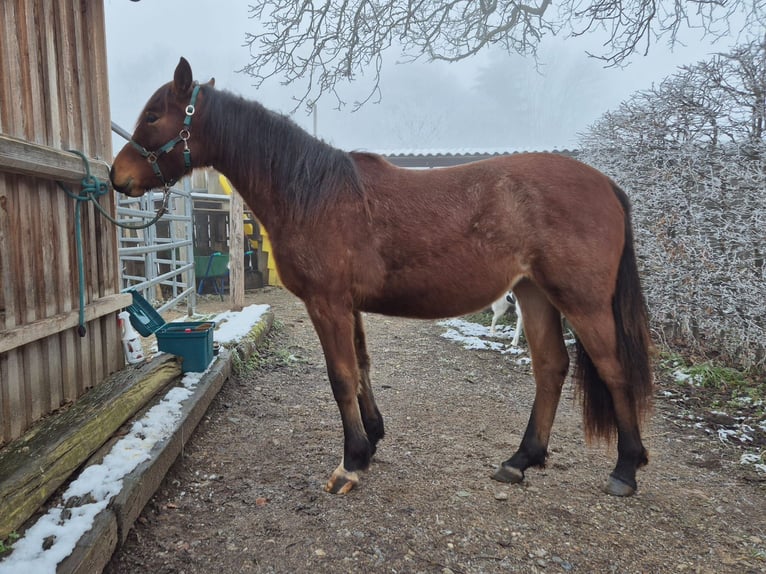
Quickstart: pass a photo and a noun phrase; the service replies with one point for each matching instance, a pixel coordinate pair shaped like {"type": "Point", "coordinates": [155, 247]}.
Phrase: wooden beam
{"type": "Point", "coordinates": [23, 334]}
{"type": "Point", "coordinates": [31, 159]}
{"type": "Point", "coordinates": [236, 252]}
{"type": "Point", "coordinates": [34, 466]}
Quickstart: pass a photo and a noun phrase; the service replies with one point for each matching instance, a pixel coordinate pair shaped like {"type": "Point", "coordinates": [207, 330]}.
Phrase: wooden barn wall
{"type": "Point", "coordinates": [54, 93]}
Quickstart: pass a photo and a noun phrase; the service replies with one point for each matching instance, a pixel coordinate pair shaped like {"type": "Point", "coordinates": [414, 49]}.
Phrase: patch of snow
{"type": "Point", "coordinates": [473, 336]}
{"type": "Point", "coordinates": [233, 326]}
{"type": "Point", "coordinates": [757, 460]}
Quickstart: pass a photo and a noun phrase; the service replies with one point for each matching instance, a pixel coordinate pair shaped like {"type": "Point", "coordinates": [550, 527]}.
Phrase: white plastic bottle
{"type": "Point", "coordinates": [131, 342]}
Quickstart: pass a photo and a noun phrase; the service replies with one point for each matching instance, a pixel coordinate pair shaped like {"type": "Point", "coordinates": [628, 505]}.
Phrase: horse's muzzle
{"type": "Point", "coordinates": [124, 187]}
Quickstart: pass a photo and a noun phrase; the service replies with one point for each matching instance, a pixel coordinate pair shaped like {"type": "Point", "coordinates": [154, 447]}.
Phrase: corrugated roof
{"type": "Point", "coordinates": [448, 157]}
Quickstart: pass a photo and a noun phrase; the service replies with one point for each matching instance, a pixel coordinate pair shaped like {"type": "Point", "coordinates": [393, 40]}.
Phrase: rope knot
{"type": "Point", "coordinates": [91, 188]}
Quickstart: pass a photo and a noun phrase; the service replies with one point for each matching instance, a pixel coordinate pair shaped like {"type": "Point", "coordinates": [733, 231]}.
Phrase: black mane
{"type": "Point", "coordinates": [271, 148]}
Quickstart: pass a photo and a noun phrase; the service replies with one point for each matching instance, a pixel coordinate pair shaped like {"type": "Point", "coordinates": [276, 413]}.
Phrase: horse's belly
{"type": "Point", "coordinates": [435, 302]}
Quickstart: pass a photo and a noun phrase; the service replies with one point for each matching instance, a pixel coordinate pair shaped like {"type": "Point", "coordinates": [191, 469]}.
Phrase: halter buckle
{"type": "Point", "coordinates": [189, 110]}
{"type": "Point", "coordinates": [184, 134]}
{"type": "Point", "coordinates": [151, 157]}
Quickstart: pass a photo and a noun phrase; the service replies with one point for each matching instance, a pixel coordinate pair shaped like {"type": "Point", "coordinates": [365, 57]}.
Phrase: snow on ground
{"type": "Point", "coordinates": [474, 336]}
{"type": "Point", "coordinates": [232, 326]}
{"type": "Point", "coordinates": [55, 534]}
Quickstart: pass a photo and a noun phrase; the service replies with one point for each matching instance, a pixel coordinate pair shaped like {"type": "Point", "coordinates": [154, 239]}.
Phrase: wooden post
{"type": "Point", "coordinates": [218, 184]}
{"type": "Point", "coordinates": [236, 252]}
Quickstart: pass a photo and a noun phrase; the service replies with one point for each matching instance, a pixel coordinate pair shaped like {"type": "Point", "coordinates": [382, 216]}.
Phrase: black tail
{"type": "Point", "coordinates": [633, 347]}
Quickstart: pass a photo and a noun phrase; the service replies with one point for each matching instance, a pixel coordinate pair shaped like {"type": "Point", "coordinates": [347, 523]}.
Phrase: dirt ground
{"type": "Point", "coordinates": [246, 495]}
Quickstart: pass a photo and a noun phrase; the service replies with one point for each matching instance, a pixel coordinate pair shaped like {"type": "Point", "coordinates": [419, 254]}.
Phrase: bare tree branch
{"type": "Point", "coordinates": [325, 43]}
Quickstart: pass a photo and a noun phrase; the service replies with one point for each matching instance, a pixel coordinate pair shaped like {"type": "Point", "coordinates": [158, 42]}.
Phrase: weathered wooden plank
{"type": "Point", "coordinates": [14, 308]}
{"type": "Point", "coordinates": [69, 365]}
{"type": "Point", "coordinates": [236, 248]}
{"type": "Point", "coordinates": [5, 400]}
{"type": "Point", "coordinates": [7, 300]}
{"type": "Point", "coordinates": [13, 394]}
{"type": "Point", "coordinates": [5, 412]}
{"type": "Point", "coordinates": [54, 390]}
{"type": "Point", "coordinates": [50, 74]}
{"type": "Point", "coordinates": [27, 249]}
{"type": "Point", "coordinates": [5, 73]}
{"type": "Point", "coordinates": [34, 466]}
{"type": "Point", "coordinates": [35, 107]}
{"type": "Point", "coordinates": [83, 132]}
{"type": "Point", "coordinates": [48, 219]}
{"type": "Point", "coordinates": [31, 159]}
{"type": "Point", "coordinates": [18, 336]}
{"type": "Point", "coordinates": [94, 550]}
{"type": "Point", "coordinates": [12, 61]}
{"type": "Point", "coordinates": [99, 78]}
{"type": "Point", "coordinates": [35, 381]}
{"type": "Point", "coordinates": [96, 331]}
{"type": "Point", "coordinates": [65, 67]}
{"type": "Point", "coordinates": [49, 262]}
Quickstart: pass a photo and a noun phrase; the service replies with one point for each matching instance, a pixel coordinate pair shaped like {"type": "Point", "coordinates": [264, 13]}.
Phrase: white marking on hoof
{"type": "Point", "coordinates": [342, 481]}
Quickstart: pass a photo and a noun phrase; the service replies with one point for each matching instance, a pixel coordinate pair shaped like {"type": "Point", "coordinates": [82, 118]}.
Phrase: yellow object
{"type": "Point", "coordinates": [225, 185]}
{"type": "Point", "coordinates": [271, 265]}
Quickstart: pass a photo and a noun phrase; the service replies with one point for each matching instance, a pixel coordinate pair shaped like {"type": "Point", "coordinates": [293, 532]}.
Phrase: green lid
{"type": "Point", "coordinates": [143, 316]}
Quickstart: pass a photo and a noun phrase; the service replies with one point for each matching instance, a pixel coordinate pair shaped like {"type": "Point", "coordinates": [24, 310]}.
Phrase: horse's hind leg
{"type": "Point", "coordinates": [608, 402]}
{"type": "Point", "coordinates": [371, 417]}
{"type": "Point", "coordinates": [550, 363]}
{"type": "Point", "coordinates": [335, 326]}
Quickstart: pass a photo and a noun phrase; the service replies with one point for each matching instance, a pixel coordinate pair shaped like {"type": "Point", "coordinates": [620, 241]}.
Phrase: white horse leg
{"type": "Point", "coordinates": [519, 326]}
{"type": "Point", "coordinates": [499, 308]}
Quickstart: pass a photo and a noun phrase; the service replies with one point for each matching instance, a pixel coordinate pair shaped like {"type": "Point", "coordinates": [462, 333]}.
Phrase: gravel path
{"type": "Point", "coordinates": [246, 495]}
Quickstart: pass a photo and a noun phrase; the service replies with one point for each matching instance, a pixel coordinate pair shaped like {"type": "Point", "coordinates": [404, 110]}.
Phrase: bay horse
{"type": "Point", "coordinates": [352, 233]}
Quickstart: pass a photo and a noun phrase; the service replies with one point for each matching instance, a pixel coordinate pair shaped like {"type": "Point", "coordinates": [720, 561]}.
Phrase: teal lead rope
{"type": "Point", "coordinates": [91, 189]}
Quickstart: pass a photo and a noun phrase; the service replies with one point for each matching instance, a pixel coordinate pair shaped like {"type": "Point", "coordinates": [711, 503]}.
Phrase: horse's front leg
{"type": "Point", "coordinates": [335, 326]}
{"type": "Point", "coordinates": [371, 417]}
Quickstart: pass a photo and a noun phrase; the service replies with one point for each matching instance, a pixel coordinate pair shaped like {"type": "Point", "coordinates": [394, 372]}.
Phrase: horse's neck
{"type": "Point", "coordinates": [281, 171]}
{"type": "Point", "coordinates": [230, 157]}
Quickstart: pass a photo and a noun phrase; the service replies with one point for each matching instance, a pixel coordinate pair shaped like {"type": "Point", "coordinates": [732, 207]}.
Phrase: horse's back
{"type": "Point", "coordinates": [448, 241]}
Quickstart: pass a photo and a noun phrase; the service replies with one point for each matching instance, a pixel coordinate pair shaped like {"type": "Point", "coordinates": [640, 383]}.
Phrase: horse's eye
{"type": "Point", "coordinates": [151, 118]}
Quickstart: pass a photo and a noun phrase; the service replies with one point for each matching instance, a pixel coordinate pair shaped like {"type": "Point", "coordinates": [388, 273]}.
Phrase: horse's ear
{"type": "Point", "coordinates": [182, 79]}
{"type": "Point", "coordinates": [211, 83]}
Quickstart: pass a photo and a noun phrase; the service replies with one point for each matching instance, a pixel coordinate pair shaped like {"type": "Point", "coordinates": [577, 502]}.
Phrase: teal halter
{"type": "Point", "coordinates": [183, 136]}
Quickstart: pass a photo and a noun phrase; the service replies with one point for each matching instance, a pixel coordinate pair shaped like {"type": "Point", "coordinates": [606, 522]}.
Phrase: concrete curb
{"type": "Point", "coordinates": [111, 526]}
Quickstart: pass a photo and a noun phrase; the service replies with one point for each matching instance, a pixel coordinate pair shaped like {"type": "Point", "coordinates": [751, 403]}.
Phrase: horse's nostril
{"type": "Point", "coordinates": [120, 188]}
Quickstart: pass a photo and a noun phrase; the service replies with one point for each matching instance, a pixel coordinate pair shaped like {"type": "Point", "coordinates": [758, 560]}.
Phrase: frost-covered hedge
{"type": "Point", "coordinates": [700, 222]}
{"type": "Point", "coordinates": [691, 153]}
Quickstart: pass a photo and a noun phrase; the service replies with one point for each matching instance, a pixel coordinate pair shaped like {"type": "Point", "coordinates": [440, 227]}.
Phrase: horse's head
{"type": "Point", "coordinates": [160, 151]}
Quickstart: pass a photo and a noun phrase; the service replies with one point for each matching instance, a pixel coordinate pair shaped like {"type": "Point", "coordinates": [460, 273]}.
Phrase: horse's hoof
{"type": "Point", "coordinates": [341, 481]}
{"type": "Point", "coordinates": [508, 474]}
{"type": "Point", "coordinates": [617, 487]}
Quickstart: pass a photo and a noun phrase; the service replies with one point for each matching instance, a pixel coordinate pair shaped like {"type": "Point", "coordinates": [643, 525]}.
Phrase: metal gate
{"type": "Point", "coordinates": [158, 261]}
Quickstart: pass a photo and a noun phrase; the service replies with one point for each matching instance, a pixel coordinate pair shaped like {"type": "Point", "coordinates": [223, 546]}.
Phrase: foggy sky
{"type": "Point", "coordinates": [493, 101]}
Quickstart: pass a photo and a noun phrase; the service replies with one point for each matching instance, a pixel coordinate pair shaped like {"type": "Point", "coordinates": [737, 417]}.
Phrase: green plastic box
{"type": "Point", "coordinates": [193, 341]}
